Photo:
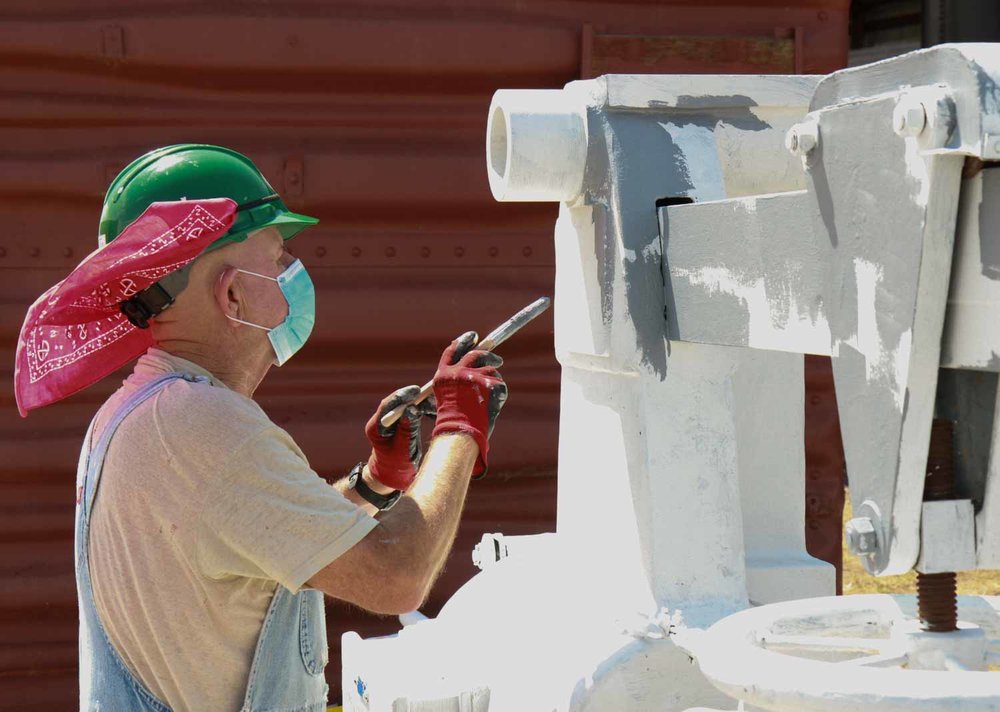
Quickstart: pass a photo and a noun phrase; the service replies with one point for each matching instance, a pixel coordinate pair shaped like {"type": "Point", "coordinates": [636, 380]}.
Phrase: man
{"type": "Point", "coordinates": [204, 540]}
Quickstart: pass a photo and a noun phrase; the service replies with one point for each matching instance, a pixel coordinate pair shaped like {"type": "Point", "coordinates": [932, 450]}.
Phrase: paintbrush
{"type": "Point", "coordinates": [492, 340]}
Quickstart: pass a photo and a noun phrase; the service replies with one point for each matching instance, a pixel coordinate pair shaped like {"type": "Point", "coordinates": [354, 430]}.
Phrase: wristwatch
{"type": "Point", "coordinates": [381, 502]}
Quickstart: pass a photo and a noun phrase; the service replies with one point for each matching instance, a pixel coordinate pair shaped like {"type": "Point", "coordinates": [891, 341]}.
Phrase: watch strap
{"type": "Point", "coordinates": [381, 502]}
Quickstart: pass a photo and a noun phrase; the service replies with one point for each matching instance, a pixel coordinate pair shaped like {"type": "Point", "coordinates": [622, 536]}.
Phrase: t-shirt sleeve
{"type": "Point", "coordinates": [269, 515]}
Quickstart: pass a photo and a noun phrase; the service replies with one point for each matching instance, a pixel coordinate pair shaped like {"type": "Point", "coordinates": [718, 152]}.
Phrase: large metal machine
{"type": "Point", "coordinates": [712, 230]}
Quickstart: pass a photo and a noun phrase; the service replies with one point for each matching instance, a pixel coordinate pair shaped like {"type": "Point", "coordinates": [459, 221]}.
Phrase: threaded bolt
{"type": "Point", "coordinates": [937, 597]}
{"type": "Point", "coordinates": [937, 602]}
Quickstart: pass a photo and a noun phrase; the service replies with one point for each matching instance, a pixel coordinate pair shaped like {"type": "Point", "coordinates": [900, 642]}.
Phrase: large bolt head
{"type": "Point", "coordinates": [909, 117]}
{"type": "Point", "coordinates": [862, 539]}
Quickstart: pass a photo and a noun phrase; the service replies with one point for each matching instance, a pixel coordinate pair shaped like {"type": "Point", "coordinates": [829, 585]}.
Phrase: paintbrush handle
{"type": "Point", "coordinates": [396, 413]}
{"type": "Point", "coordinates": [492, 340]}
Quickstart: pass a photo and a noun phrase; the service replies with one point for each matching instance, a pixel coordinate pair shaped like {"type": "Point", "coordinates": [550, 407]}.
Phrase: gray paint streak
{"type": "Point", "coordinates": [597, 181]}
{"type": "Point", "coordinates": [645, 165]}
{"type": "Point", "coordinates": [630, 91]}
{"type": "Point", "coordinates": [858, 230]}
{"type": "Point", "coordinates": [989, 221]}
{"type": "Point", "coordinates": [869, 209]}
{"type": "Point", "coordinates": [748, 240]}
{"type": "Point", "coordinates": [639, 158]}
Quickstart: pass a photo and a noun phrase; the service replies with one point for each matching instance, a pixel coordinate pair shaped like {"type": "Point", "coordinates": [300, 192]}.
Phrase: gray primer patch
{"type": "Point", "coordinates": [709, 111]}
{"type": "Point", "coordinates": [719, 255]}
{"type": "Point", "coordinates": [646, 165]}
{"type": "Point", "coordinates": [733, 110]}
{"type": "Point", "coordinates": [989, 223]}
{"type": "Point", "coordinates": [596, 178]}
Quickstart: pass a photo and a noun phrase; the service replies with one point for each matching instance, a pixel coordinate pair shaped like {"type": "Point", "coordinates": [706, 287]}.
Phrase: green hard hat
{"type": "Point", "coordinates": [197, 172]}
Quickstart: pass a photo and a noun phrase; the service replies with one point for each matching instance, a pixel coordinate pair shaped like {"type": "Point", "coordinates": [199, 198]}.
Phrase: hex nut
{"type": "Point", "coordinates": [803, 137]}
{"type": "Point", "coordinates": [909, 117]}
{"type": "Point", "coordinates": [861, 537]}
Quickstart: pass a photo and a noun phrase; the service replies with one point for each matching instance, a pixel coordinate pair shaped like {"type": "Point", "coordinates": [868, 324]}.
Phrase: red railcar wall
{"type": "Point", "coordinates": [370, 115]}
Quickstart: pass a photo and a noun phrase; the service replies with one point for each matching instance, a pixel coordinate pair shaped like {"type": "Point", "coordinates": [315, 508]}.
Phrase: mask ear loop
{"type": "Point", "coordinates": [257, 274]}
{"type": "Point", "coordinates": [250, 323]}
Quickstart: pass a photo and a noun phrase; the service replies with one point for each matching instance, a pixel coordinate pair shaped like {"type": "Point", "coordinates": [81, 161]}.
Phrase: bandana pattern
{"type": "Point", "coordinates": [75, 333]}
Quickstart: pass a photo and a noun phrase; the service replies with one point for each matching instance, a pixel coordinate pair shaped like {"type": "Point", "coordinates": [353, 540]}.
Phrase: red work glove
{"type": "Point", "coordinates": [470, 393]}
{"type": "Point", "coordinates": [396, 450]}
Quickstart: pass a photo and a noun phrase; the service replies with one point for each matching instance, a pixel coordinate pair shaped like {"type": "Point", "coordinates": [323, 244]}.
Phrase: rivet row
{"type": "Point", "coordinates": [425, 251]}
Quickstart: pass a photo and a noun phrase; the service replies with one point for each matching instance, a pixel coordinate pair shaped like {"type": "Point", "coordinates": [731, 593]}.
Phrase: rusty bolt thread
{"type": "Point", "coordinates": [937, 602]}
{"type": "Point", "coordinates": [937, 596]}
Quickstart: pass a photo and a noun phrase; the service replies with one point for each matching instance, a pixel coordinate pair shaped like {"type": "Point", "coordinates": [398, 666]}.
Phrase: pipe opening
{"type": "Point", "coordinates": [498, 143]}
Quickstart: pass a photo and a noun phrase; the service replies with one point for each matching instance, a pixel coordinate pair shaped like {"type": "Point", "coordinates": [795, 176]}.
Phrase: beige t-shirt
{"type": "Point", "coordinates": [204, 504]}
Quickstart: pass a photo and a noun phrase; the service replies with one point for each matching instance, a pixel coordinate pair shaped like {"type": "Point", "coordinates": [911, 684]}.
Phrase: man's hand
{"type": "Point", "coordinates": [470, 393]}
{"type": "Point", "coordinates": [397, 450]}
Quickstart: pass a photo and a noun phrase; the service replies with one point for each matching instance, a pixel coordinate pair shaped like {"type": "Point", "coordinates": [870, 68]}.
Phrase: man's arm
{"type": "Point", "coordinates": [352, 495]}
{"type": "Point", "coordinates": [393, 567]}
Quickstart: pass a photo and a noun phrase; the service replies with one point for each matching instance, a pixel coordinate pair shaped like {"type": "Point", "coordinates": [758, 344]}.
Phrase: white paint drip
{"type": "Point", "coordinates": [748, 204]}
{"type": "Point", "coordinates": [901, 366]}
{"type": "Point", "coordinates": [883, 364]}
{"type": "Point", "coordinates": [650, 252]}
{"type": "Point", "coordinates": [771, 327]}
{"type": "Point", "coordinates": [867, 277]}
{"type": "Point", "coordinates": [917, 169]}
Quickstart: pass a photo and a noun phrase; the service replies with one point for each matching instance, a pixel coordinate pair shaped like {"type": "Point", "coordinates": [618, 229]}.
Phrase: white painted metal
{"type": "Point", "coordinates": [536, 146]}
{"type": "Point", "coordinates": [854, 653]}
{"type": "Point", "coordinates": [947, 537]}
{"type": "Point", "coordinates": [673, 493]}
{"type": "Point", "coordinates": [681, 480]}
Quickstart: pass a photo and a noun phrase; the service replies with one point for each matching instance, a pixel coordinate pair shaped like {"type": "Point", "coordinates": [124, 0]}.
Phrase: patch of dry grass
{"type": "Point", "coordinates": [857, 580]}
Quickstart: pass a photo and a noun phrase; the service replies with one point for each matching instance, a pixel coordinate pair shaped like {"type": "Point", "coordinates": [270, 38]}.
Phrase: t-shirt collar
{"type": "Point", "coordinates": [157, 361]}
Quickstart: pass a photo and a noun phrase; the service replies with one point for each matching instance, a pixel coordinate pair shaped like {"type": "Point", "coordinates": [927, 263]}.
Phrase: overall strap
{"type": "Point", "coordinates": [95, 459]}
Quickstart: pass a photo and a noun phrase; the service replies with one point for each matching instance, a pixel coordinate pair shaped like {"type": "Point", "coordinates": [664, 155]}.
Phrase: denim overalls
{"type": "Point", "coordinates": [287, 670]}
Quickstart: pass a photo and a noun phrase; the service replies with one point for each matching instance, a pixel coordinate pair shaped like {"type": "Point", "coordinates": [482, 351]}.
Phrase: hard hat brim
{"type": "Point", "coordinates": [290, 224]}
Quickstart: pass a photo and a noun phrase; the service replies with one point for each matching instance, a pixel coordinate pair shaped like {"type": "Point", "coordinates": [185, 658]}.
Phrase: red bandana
{"type": "Point", "coordinates": [74, 335]}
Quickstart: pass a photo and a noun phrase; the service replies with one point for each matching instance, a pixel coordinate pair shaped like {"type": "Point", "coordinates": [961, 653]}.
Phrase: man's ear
{"type": "Point", "coordinates": [228, 295]}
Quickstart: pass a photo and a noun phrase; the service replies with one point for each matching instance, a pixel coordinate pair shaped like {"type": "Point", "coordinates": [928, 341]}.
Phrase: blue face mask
{"type": "Point", "coordinates": [289, 336]}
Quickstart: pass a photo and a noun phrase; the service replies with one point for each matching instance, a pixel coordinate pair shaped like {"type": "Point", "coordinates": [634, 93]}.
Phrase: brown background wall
{"type": "Point", "coordinates": [370, 115]}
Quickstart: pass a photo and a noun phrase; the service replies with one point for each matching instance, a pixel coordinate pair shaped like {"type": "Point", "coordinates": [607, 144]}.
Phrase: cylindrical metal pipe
{"type": "Point", "coordinates": [536, 146]}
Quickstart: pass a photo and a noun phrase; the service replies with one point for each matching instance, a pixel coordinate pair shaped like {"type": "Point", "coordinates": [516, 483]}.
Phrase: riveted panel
{"type": "Point", "coordinates": [370, 116]}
